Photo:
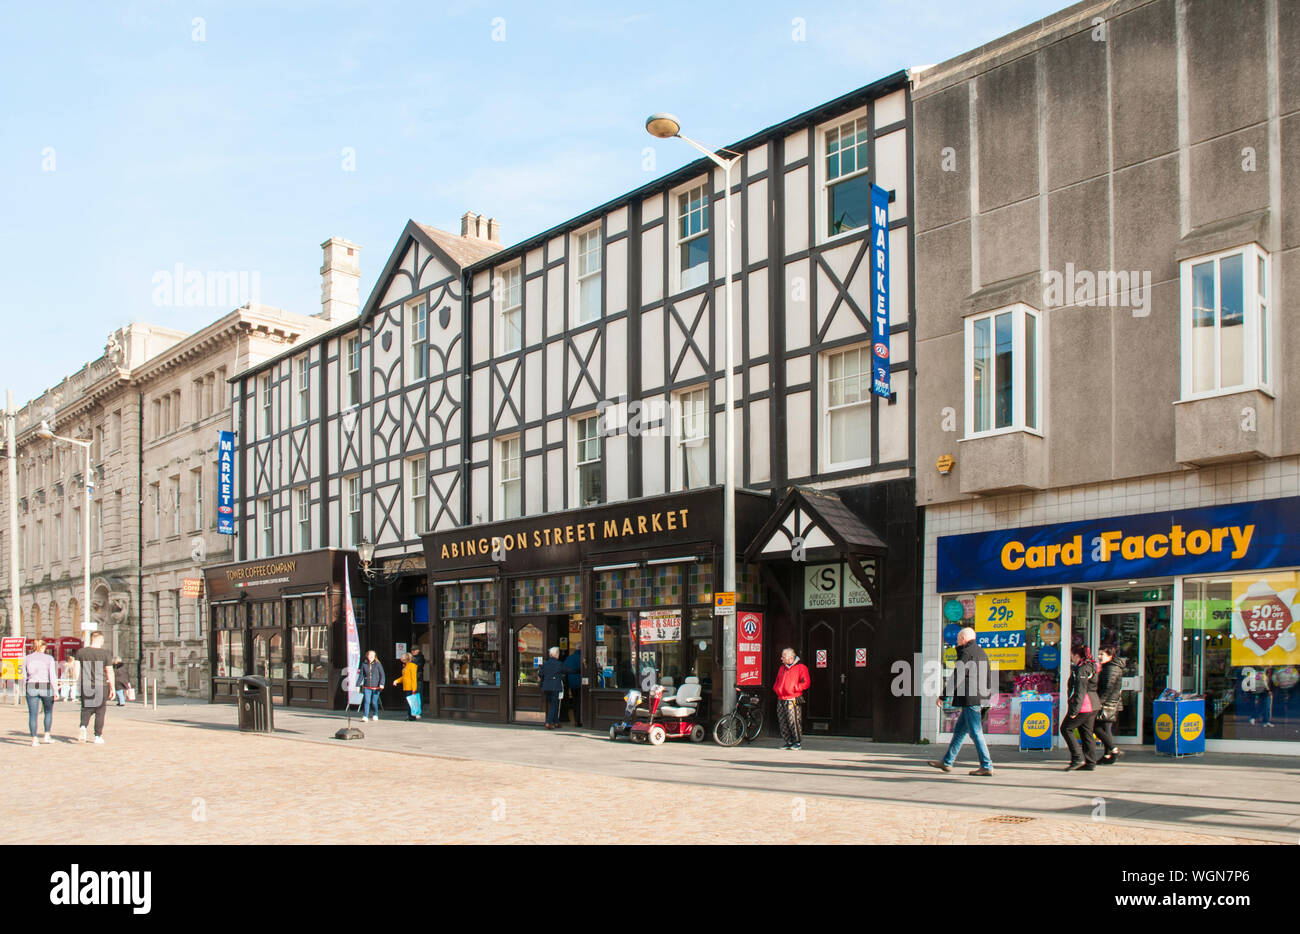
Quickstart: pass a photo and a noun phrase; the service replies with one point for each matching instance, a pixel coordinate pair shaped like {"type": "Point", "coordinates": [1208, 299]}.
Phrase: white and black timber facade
{"type": "Point", "coordinates": [492, 414]}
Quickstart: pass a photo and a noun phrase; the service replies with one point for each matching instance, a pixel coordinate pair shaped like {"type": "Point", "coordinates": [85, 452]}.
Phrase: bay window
{"type": "Point", "coordinates": [1003, 354]}
{"type": "Point", "coordinates": [1226, 324]}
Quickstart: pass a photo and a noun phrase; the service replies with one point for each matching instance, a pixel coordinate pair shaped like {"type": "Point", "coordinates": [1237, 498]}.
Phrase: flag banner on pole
{"type": "Point", "coordinates": [354, 644]}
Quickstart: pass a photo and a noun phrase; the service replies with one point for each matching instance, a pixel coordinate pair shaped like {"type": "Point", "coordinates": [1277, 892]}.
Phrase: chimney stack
{"type": "Point", "coordinates": [480, 227]}
{"type": "Point", "coordinates": [340, 280]}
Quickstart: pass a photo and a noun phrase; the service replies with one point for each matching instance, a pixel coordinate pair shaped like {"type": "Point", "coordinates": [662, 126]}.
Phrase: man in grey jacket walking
{"type": "Point", "coordinates": [970, 687]}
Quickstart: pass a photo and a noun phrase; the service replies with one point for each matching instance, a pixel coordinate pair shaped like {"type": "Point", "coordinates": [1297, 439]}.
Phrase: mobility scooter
{"type": "Point", "coordinates": [670, 716]}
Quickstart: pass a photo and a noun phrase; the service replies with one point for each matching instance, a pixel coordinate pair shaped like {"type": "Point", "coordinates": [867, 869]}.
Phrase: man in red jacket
{"type": "Point", "coordinates": [791, 681]}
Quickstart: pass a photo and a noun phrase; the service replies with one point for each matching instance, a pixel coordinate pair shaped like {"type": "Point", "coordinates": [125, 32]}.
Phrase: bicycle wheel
{"type": "Point", "coordinates": [754, 726]}
{"type": "Point", "coordinates": [729, 730]}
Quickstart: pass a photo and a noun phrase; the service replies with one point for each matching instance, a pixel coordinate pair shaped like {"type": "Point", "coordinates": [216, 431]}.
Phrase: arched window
{"type": "Point", "coordinates": [74, 615]}
{"type": "Point", "coordinates": [36, 620]}
{"type": "Point", "coordinates": [54, 620]}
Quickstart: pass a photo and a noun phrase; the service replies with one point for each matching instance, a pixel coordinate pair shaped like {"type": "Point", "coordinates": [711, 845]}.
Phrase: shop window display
{"type": "Point", "coordinates": [1240, 651]}
{"type": "Point", "coordinates": [471, 649]}
{"type": "Point", "coordinates": [1020, 631]}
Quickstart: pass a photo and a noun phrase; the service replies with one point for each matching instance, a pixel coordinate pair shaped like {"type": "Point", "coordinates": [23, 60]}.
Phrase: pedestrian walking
{"type": "Point", "coordinates": [970, 686]}
{"type": "Point", "coordinates": [792, 680]}
{"type": "Point", "coordinates": [573, 679]}
{"type": "Point", "coordinates": [552, 676]}
{"type": "Point", "coordinates": [121, 683]}
{"type": "Point", "coordinates": [371, 678]}
{"type": "Point", "coordinates": [1109, 685]}
{"type": "Point", "coordinates": [40, 684]}
{"type": "Point", "coordinates": [418, 656]}
{"type": "Point", "coordinates": [409, 681]}
{"type": "Point", "coordinates": [96, 685]}
{"type": "Point", "coordinates": [71, 677]}
{"type": "Point", "coordinates": [1081, 712]}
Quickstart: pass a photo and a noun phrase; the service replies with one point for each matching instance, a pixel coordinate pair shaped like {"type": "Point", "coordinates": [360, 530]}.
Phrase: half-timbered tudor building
{"type": "Point", "coordinates": [530, 437]}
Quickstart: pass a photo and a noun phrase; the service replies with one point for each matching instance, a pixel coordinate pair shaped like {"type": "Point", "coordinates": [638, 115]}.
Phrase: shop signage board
{"type": "Point", "coordinates": [1207, 540]}
{"type": "Point", "coordinates": [880, 291]}
{"type": "Point", "coordinates": [660, 626]}
{"type": "Point", "coordinates": [1179, 727]}
{"type": "Point", "coordinates": [11, 658]}
{"type": "Point", "coordinates": [831, 586]}
{"type": "Point", "coordinates": [226, 483]}
{"type": "Point", "coordinates": [1263, 620]}
{"type": "Point", "coordinates": [749, 649]}
{"type": "Point", "coordinates": [724, 603]}
{"type": "Point", "coordinates": [192, 587]}
{"type": "Point", "coordinates": [1036, 724]}
{"type": "Point", "coordinates": [1000, 628]}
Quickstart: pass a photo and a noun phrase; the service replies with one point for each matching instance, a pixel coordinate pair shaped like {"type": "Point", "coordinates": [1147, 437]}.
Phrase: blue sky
{"type": "Point", "coordinates": [227, 154]}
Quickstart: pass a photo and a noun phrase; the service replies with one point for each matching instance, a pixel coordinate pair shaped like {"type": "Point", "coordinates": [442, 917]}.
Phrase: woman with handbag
{"type": "Point", "coordinates": [1081, 713]}
{"type": "Point", "coordinates": [410, 686]}
{"type": "Point", "coordinates": [371, 681]}
{"type": "Point", "coordinates": [1110, 681]}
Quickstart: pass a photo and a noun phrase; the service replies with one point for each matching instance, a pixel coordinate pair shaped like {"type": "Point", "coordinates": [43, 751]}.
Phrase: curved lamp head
{"type": "Point", "coordinates": [664, 126]}
{"type": "Point", "coordinates": [44, 431]}
{"type": "Point", "coordinates": [366, 552]}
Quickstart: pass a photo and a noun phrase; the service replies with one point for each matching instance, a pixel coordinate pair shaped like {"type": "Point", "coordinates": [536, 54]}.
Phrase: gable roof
{"type": "Point", "coordinates": [819, 519]}
{"type": "Point", "coordinates": [456, 253]}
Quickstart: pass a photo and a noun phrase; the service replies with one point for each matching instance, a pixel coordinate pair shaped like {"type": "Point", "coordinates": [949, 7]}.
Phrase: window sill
{"type": "Point", "coordinates": [1000, 431]}
{"type": "Point", "coordinates": [1220, 393]}
{"type": "Point", "coordinates": [845, 235]}
{"type": "Point", "coordinates": [1224, 427]}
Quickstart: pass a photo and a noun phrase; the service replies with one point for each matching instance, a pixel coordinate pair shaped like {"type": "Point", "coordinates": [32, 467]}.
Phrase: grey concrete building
{"type": "Point", "coordinates": [1107, 226]}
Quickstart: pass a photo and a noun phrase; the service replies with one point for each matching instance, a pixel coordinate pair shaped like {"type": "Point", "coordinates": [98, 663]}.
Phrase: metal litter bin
{"type": "Point", "coordinates": [255, 714]}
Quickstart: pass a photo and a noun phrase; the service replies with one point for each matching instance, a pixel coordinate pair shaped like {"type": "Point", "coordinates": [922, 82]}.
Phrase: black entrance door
{"type": "Point", "coordinates": [836, 653]}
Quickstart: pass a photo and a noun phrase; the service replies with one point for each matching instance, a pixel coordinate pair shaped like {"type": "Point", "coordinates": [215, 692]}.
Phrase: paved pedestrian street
{"type": "Point", "coordinates": [184, 774]}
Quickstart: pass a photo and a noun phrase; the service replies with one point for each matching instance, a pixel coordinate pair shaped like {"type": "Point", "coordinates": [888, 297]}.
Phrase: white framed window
{"type": "Point", "coordinates": [691, 446]}
{"type": "Point", "coordinates": [302, 515]}
{"type": "Point", "coordinates": [1226, 322]}
{"type": "Point", "coordinates": [691, 262]}
{"type": "Point", "coordinates": [353, 525]}
{"type": "Point", "coordinates": [845, 198]}
{"type": "Point", "coordinates": [174, 491]}
{"type": "Point", "coordinates": [353, 357]}
{"type": "Point", "coordinates": [587, 268]}
{"type": "Point", "coordinates": [268, 527]}
{"type": "Point", "coordinates": [1003, 378]}
{"type": "Point", "coordinates": [155, 494]}
{"type": "Point", "coordinates": [511, 501]}
{"type": "Point", "coordinates": [301, 372]}
{"type": "Point", "coordinates": [588, 485]}
{"type": "Point", "coordinates": [846, 407]}
{"type": "Point", "coordinates": [268, 414]}
{"type": "Point", "coordinates": [512, 313]}
{"type": "Point", "coordinates": [417, 495]}
{"type": "Point", "coordinates": [418, 332]}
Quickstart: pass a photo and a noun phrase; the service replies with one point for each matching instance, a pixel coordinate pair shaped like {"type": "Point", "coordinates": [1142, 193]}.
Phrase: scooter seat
{"type": "Point", "coordinates": [677, 712]}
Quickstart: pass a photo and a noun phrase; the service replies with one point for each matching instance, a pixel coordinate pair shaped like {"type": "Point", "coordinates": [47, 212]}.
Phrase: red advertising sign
{"type": "Point", "coordinates": [12, 647]}
{"type": "Point", "coordinates": [749, 649]}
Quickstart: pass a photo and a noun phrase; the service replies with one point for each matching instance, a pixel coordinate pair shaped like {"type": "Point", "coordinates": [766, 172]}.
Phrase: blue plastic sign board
{"type": "Point", "coordinates": [880, 291]}
{"type": "Point", "coordinates": [1179, 726]}
{"type": "Point", "coordinates": [950, 633]}
{"type": "Point", "coordinates": [1049, 657]}
{"type": "Point", "coordinates": [226, 483]}
{"type": "Point", "coordinates": [1036, 724]}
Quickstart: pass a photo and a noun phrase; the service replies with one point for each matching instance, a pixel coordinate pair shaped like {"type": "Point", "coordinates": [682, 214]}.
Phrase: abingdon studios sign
{"type": "Point", "coordinates": [564, 539]}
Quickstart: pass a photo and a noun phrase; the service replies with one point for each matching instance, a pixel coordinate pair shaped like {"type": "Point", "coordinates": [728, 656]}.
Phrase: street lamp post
{"type": "Point", "coordinates": [666, 126]}
{"type": "Point", "coordinates": [45, 432]}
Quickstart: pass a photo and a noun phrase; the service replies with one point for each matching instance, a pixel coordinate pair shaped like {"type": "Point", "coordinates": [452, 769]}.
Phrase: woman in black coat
{"type": "Point", "coordinates": [1081, 712]}
{"type": "Point", "coordinates": [1109, 685]}
{"type": "Point", "coordinates": [552, 675]}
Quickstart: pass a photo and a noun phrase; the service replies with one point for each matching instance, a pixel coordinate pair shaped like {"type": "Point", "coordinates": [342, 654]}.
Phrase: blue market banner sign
{"type": "Point", "coordinates": [880, 291]}
{"type": "Point", "coordinates": [226, 483]}
{"type": "Point", "coordinates": [1208, 540]}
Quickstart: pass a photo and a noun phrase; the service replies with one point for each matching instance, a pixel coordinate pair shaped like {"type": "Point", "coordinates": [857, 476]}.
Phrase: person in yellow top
{"type": "Point", "coordinates": [411, 686]}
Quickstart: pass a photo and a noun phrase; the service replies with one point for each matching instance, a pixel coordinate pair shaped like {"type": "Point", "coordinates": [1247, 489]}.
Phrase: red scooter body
{"type": "Point", "coordinates": [674, 723]}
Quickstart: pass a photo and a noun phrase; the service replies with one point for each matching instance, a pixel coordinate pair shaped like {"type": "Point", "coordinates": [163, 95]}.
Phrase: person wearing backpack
{"type": "Point", "coordinates": [1109, 685]}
